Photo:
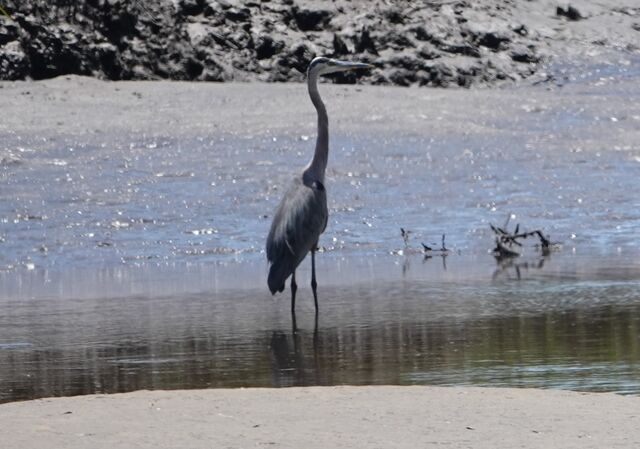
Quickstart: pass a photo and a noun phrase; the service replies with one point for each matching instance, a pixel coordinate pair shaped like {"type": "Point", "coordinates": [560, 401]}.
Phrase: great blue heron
{"type": "Point", "coordinates": [302, 213]}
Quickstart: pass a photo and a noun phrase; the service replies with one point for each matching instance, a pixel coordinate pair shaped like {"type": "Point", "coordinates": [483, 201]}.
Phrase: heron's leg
{"type": "Point", "coordinates": [294, 288]}
{"type": "Point", "coordinates": [314, 284]}
{"type": "Point", "coordinates": [294, 326]}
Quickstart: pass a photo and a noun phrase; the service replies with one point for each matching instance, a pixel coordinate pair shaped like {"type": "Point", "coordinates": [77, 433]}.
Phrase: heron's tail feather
{"type": "Point", "coordinates": [278, 273]}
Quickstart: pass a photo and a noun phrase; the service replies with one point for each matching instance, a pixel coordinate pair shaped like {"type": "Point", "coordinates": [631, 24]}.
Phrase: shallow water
{"type": "Point", "coordinates": [135, 262]}
{"type": "Point", "coordinates": [563, 323]}
{"type": "Point", "coordinates": [172, 202]}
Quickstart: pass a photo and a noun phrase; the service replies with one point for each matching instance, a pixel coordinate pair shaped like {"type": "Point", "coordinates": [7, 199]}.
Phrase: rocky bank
{"type": "Point", "coordinates": [435, 43]}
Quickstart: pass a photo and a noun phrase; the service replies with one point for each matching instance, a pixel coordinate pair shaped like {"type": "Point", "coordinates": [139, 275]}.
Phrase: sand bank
{"type": "Point", "coordinates": [322, 417]}
{"type": "Point", "coordinates": [90, 108]}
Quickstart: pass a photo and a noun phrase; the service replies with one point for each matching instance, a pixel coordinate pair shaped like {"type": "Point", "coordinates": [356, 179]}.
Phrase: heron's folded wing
{"type": "Point", "coordinates": [299, 220]}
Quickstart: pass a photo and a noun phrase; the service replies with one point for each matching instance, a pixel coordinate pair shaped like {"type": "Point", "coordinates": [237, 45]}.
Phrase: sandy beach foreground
{"type": "Point", "coordinates": [322, 417]}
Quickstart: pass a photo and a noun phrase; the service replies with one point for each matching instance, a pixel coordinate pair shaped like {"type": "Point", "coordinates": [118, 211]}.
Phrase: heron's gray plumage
{"type": "Point", "coordinates": [297, 224]}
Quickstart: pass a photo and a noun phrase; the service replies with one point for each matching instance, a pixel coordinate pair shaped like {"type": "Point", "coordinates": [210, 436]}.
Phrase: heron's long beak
{"type": "Point", "coordinates": [346, 65]}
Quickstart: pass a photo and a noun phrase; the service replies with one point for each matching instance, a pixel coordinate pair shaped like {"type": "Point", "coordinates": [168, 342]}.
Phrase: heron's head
{"type": "Point", "coordinates": [324, 66]}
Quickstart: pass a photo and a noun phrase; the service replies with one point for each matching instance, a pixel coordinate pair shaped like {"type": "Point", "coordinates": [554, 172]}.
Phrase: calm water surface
{"type": "Point", "coordinates": [132, 262]}
{"type": "Point", "coordinates": [561, 322]}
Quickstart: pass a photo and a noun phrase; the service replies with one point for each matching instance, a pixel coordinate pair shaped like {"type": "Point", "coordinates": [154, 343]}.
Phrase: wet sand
{"type": "Point", "coordinates": [321, 417]}
{"type": "Point", "coordinates": [81, 106]}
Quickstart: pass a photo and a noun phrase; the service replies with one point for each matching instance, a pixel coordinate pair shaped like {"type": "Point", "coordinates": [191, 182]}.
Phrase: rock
{"type": "Point", "coordinates": [406, 61]}
{"type": "Point", "coordinates": [465, 80]}
{"type": "Point", "coordinates": [266, 47]}
{"type": "Point", "coordinates": [339, 46]}
{"type": "Point", "coordinates": [496, 68]}
{"type": "Point", "coordinates": [461, 49]}
{"type": "Point", "coordinates": [241, 40]}
{"type": "Point", "coordinates": [191, 7]}
{"type": "Point", "coordinates": [119, 25]}
{"type": "Point", "coordinates": [364, 43]}
{"type": "Point", "coordinates": [522, 30]}
{"type": "Point", "coordinates": [56, 52]}
{"type": "Point", "coordinates": [492, 36]}
{"type": "Point", "coordinates": [14, 63]}
{"type": "Point", "coordinates": [394, 15]}
{"type": "Point", "coordinates": [213, 71]}
{"type": "Point", "coordinates": [310, 19]}
{"type": "Point", "coordinates": [193, 68]}
{"type": "Point", "coordinates": [492, 40]}
{"type": "Point", "coordinates": [525, 55]}
{"type": "Point", "coordinates": [238, 14]}
{"type": "Point", "coordinates": [379, 79]}
{"type": "Point", "coordinates": [8, 32]}
{"type": "Point", "coordinates": [570, 13]}
{"type": "Point", "coordinates": [225, 4]}
{"type": "Point", "coordinates": [402, 77]}
{"type": "Point", "coordinates": [421, 33]}
{"type": "Point", "coordinates": [441, 75]}
{"type": "Point", "coordinates": [395, 40]}
{"type": "Point", "coordinates": [107, 60]}
{"type": "Point", "coordinates": [428, 51]}
{"type": "Point", "coordinates": [297, 58]}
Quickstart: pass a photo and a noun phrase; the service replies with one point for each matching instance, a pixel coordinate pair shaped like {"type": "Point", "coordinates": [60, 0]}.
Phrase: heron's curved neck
{"type": "Point", "coordinates": [316, 168]}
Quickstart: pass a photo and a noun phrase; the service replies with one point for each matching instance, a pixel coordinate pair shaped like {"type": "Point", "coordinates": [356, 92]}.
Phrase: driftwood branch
{"type": "Point", "coordinates": [443, 248]}
{"type": "Point", "coordinates": [506, 241]}
{"type": "Point", "coordinates": [405, 236]}
{"type": "Point", "coordinates": [428, 251]}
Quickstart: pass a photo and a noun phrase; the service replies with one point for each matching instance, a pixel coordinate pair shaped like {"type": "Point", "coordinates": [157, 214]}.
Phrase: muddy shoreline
{"type": "Point", "coordinates": [442, 43]}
